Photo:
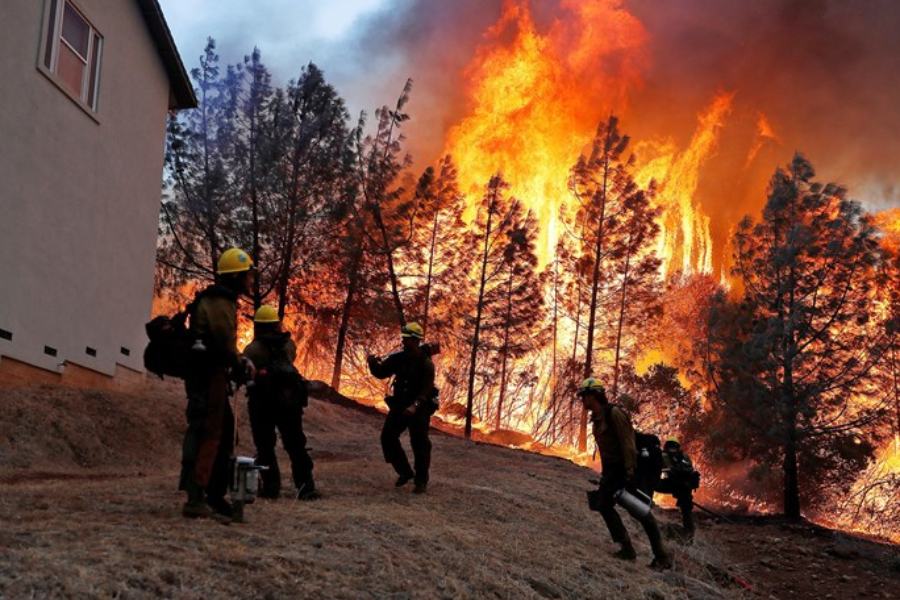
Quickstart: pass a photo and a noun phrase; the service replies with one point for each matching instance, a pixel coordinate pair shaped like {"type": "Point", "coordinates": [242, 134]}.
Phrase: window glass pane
{"type": "Point", "coordinates": [51, 35]}
{"type": "Point", "coordinates": [76, 31]}
{"type": "Point", "coordinates": [70, 69]}
{"type": "Point", "coordinates": [95, 72]}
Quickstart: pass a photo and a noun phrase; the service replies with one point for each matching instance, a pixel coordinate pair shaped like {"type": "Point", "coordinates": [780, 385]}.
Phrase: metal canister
{"type": "Point", "coordinates": [638, 504]}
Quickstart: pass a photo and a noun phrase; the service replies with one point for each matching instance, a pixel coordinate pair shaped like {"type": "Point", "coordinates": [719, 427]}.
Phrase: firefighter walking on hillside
{"type": "Point", "coordinates": [615, 439]}
{"type": "Point", "coordinates": [209, 439]}
{"type": "Point", "coordinates": [276, 399]}
{"type": "Point", "coordinates": [410, 406]}
{"type": "Point", "coordinates": [680, 479]}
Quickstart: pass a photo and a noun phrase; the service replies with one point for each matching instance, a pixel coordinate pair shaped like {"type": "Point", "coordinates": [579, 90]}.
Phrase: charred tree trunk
{"type": "Point", "coordinates": [595, 288]}
{"type": "Point", "coordinates": [789, 403]}
{"type": "Point", "coordinates": [790, 467]}
{"type": "Point", "coordinates": [434, 231]}
{"type": "Point", "coordinates": [615, 385]}
{"type": "Point", "coordinates": [504, 351]}
{"type": "Point", "coordinates": [352, 285]}
{"type": "Point", "coordinates": [554, 396]}
{"type": "Point", "coordinates": [473, 356]}
{"type": "Point", "coordinates": [389, 258]}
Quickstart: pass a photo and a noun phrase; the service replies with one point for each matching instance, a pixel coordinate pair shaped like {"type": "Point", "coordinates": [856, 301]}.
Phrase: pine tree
{"type": "Point", "coordinates": [602, 183]}
{"type": "Point", "coordinates": [498, 233]}
{"type": "Point", "coordinates": [805, 339]}
{"type": "Point", "coordinates": [198, 206]}
{"type": "Point", "coordinates": [380, 163]}
{"type": "Point", "coordinates": [250, 159]}
{"type": "Point", "coordinates": [518, 328]}
{"type": "Point", "coordinates": [634, 270]}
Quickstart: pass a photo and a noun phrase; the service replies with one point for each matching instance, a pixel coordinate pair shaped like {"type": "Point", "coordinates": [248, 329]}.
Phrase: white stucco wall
{"type": "Point", "coordinates": [79, 199]}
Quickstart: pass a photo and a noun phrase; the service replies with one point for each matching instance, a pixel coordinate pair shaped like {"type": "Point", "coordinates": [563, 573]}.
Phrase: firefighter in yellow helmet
{"type": "Point", "coordinates": [615, 439]}
{"type": "Point", "coordinates": [209, 439]}
{"type": "Point", "coordinates": [412, 402]}
{"type": "Point", "coordinates": [276, 399]}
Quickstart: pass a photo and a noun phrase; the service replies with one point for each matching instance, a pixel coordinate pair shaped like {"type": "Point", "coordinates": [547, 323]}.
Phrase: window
{"type": "Point", "coordinates": [72, 52]}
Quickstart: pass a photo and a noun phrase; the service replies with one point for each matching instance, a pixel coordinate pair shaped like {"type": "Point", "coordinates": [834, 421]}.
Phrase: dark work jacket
{"type": "Point", "coordinates": [214, 321]}
{"type": "Point", "coordinates": [413, 377]}
{"type": "Point", "coordinates": [614, 436]}
{"type": "Point", "coordinates": [271, 349]}
{"type": "Point", "coordinates": [273, 356]}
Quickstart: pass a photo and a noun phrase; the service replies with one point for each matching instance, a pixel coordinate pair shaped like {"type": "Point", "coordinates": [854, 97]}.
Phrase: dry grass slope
{"type": "Point", "coordinates": [89, 508]}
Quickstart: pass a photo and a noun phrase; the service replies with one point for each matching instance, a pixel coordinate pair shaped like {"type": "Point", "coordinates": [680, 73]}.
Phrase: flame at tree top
{"type": "Point", "coordinates": [535, 99]}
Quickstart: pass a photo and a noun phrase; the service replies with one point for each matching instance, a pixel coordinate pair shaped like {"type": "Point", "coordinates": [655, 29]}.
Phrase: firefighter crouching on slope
{"type": "Point", "coordinates": [680, 479]}
{"type": "Point", "coordinates": [410, 405]}
{"type": "Point", "coordinates": [615, 441]}
{"type": "Point", "coordinates": [209, 440]}
{"type": "Point", "coordinates": [276, 399]}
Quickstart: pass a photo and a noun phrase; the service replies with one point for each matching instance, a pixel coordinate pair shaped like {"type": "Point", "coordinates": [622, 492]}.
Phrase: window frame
{"type": "Point", "coordinates": [89, 101]}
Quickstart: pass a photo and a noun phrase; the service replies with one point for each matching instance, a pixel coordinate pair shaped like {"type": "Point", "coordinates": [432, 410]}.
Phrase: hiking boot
{"type": "Point", "coordinates": [307, 491]}
{"type": "Point", "coordinates": [420, 488]}
{"type": "Point", "coordinates": [195, 510]}
{"type": "Point", "coordinates": [625, 553]}
{"type": "Point", "coordinates": [661, 563]}
{"type": "Point", "coordinates": [222, 511]}
{"type": "Point", "coordinates": [403, 480]}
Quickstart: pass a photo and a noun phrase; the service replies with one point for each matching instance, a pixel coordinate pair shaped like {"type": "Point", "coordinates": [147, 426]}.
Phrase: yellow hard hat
{"type": "Point", "coordinates": [590, 384]}
{"type": "Point", "coordinates": [266, 314]}
{"type": "Point", "coordinates": [672, 441]}
{"type": "Point", "coordinates": [412, 330]}
{"type": "Point", "coordinates": [234, 260]}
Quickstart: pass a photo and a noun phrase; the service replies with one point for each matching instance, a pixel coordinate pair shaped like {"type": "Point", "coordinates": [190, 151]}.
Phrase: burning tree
{"type": "Point", "coordinates": [791, 360]}
{"type": "Point", "coordinates": [604, 186]}
{"type": "Point", "coordinates": [380, 164]}
{"type": "Point", "coordinates": [438, 257]}
{"type": "Point", "coordinates": [504, 234]}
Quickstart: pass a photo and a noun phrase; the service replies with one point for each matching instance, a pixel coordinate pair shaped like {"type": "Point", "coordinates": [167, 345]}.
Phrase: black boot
{"type": "Point", "coordinates": [404, 479]}
{"type": "Point", "coordinates": [307, 491]}
{"type": "Point", "coordinates": [222, 510]}
{"type": "Point", "coordinates": [661, 558]}
{"type": "Point", "coordinates": [195, 507]}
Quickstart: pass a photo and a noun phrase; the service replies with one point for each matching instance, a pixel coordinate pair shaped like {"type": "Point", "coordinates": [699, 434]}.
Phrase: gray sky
{"type": "Point", "coordinates": [825, 72]}
{"type": "Point", "coordinates": [290, 33]}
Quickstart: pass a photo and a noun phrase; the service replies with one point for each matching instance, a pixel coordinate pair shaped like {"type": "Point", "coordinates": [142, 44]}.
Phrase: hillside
{"type": "Point", "coordinates": [90, 508]}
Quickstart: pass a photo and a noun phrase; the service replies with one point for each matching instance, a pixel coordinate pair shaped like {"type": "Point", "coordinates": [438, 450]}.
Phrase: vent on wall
{"type": "Point", "coordinates": [5, 335]}
{"type": "Point", "coordinates": [90, 351]}
{"type": "Point", "coordinates": [50, 351]}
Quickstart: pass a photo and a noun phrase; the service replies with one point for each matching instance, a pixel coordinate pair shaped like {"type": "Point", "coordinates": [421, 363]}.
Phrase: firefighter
{"type": "Point", "coordinates": [276, 399]}
{"type": "Point", "coordinates": [410, 406]}
{"type": "Point", "coordinates": [615, 441]}
{"type": "Point", "coordinates": [209, 439]}
{"type": "Point", "coordinates": [680, 479]}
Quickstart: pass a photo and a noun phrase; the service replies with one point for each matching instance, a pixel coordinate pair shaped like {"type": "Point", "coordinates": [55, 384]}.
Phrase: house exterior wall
{"type": "Point", "coordinates": [79, 195]}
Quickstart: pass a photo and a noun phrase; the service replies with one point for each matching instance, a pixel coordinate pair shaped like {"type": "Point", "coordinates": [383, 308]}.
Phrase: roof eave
{"type": "Point", "coordinates": [182, 92]}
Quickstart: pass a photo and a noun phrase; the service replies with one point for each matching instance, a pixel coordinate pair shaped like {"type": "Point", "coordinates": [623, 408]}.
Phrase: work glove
{"type": "Point", "coordinates": [631, 481]}
{"type": "Point", "coordinates": [248, 368]}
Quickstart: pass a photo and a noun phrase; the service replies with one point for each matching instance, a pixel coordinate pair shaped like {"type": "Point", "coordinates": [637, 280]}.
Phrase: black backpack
{"type": "Point", "coordinates": [649, 459]}
{"type": "Point", "coordinates": [170, 351]}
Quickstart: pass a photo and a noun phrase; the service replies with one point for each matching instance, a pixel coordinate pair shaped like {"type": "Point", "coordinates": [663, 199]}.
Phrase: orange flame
{"type": "Point", "coordinates": [535, 100]}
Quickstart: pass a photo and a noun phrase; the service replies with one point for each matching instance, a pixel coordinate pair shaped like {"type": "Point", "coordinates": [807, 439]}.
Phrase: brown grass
{"type": "Point", "coordinates": [89, 507]}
